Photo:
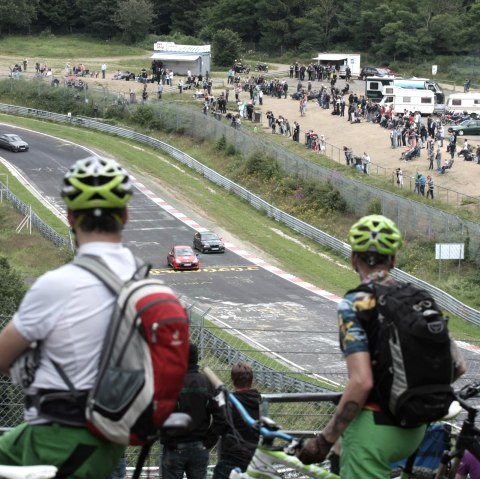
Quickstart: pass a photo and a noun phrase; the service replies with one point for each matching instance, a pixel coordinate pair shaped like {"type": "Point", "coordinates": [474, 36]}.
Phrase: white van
{"type": "Point", "coordinates": [407, 99]}
{"type": "Point", "coordinates": [464, 102]}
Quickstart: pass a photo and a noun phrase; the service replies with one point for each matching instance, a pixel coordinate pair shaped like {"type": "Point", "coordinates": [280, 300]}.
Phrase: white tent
{"type": "Point", "coordinates": [181, 58]}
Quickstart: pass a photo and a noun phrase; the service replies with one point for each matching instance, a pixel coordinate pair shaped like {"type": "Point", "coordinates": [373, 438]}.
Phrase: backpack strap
{"type": "Point", "coordinates": [98, 267]}
{"type": "Point", "coordinates": [141, 460]}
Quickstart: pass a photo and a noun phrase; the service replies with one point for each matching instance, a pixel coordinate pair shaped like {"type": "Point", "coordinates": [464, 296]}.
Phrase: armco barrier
{"type": "Point", "coordinates": [444, 300]}
{"type": "Point", "coordinates": [42, 227]}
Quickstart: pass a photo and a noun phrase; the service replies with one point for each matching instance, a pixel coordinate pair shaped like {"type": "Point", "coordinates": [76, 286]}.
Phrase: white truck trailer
{"type": "Point", "coordinates": [341, 60]}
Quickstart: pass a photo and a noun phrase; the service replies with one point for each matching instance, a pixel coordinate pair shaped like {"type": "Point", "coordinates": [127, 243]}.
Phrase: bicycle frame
{"type": "Point", "coordinates": [267, 456]}
{"type": "Point", "coordinates": [468, 438]}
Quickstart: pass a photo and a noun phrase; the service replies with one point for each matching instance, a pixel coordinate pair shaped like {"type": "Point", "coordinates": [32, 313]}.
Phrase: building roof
{"type": "Point", "coordinates": [174, 58]}
{"type": "Point", "coordinates": [172, 47]}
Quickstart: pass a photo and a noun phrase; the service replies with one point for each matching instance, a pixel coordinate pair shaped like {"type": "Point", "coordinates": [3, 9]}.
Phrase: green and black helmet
{"type": "Point", "coordinates": [375, 233]}
{"type": "Point", "coordinates": [96, 183]}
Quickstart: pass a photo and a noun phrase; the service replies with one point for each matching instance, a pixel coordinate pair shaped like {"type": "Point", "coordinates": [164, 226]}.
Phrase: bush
{"type": "Point", "coordinates": [143, 116]}
{"type": "Point", "coordinates": [259, 164]}
{"type": "Point", "coordinates": [375, 207]}
{"type": "Point", "coordinates": [231, 150]}
{"type": "Point", "coordinates": [12, 288]}
{"type": "Point", "coordinates": [221, 143]}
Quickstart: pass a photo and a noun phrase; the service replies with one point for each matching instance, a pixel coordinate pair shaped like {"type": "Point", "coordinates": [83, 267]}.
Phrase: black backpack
{"type": "Point", "coordinates": [411, 354]}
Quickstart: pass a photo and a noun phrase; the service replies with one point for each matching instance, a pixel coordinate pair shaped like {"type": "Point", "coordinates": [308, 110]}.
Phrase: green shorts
{"type": "Point", "coordinates": [76, 452]}
{"type": "Point", "coordinates": [371, 443]}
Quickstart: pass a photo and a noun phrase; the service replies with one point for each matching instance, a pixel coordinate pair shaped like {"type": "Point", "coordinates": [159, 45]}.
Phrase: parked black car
{"type": "Point", "coordinates": [208, 242]}
{"type": "Point", "coordinates": [372, 72]}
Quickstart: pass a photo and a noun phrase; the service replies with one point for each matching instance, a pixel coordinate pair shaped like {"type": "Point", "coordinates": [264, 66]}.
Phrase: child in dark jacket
{"type": "Point", "coordinates": [233, 452]}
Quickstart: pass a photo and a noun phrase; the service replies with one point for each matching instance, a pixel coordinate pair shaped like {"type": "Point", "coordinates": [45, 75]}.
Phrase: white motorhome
{"type": "Point", "coordinates": [464, 102]}
{"type": "Point", "coordinates": [374, 86]}
{"type": "Point", "coordinates": [341, 60]}
{"type": "Point", "coordinates": [406, 99]}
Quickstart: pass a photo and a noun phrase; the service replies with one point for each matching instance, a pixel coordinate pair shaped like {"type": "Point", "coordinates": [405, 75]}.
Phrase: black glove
{"type": "Point", "coordinates": [315, 450]}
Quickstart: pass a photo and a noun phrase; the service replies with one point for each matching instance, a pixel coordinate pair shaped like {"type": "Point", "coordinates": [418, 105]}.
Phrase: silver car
{"type": "Point", "coordinates": [13, 142]}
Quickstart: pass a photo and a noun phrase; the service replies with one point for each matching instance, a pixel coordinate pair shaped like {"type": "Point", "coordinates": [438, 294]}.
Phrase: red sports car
{"type": "Point", "coordinates": [182, 258]}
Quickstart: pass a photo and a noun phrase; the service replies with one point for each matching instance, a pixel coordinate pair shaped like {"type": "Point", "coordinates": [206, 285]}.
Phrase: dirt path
{"type": "Point", "coordinates": [361, 137]}
{"type": "Point", "coordinates": [375, 140]}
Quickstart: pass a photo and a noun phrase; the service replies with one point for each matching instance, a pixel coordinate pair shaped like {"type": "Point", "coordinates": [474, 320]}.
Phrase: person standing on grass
{"type": "Point", "coordinates": [399, 173]}
{"type": "Point", "coordinates": [430, 186]}
{"type": "Point", "coordinates": [438, 159]}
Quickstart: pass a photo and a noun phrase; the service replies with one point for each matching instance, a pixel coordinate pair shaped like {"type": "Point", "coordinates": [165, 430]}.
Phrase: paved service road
{"type": "Point", "coordinates": [297, 323]}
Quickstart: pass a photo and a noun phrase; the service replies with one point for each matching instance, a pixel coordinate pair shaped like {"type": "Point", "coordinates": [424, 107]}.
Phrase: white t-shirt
{"type": "Point", "coordinates": [68, 310]}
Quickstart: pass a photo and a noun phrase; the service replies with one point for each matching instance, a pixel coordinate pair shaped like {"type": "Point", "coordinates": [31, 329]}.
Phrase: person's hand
{"type": "Point", "coordinates": [315, 450]}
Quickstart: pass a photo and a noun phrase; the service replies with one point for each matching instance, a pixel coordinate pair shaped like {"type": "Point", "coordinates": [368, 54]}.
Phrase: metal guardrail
{"type": "Point", "coordinates": [444, 300]}
{"type": "Point", "coordinates": [227, 354]}
{"type": "Point", "coordinates": [44, 229]}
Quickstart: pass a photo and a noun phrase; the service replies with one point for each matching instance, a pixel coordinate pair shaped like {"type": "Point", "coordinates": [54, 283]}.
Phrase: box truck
{"type": "Point", "coordinates": [341, 60]}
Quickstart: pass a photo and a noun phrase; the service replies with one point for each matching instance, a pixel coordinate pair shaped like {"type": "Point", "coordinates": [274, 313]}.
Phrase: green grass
{"type": "Point", "coordinates": [21, 192]}
{"type": "Point", "coordinates": [55, 46]}
{"type": "Point", "coordinates": [30, 254]}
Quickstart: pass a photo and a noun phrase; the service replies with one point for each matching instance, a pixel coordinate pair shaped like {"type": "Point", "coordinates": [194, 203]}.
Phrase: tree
{"type": "Point", "coordinates": [134, 19]}
{"type": "Point", "coordinates": [17, 15]}
{"type": "Point", "coordinates": [240, 17]}
{"type": "Point", "coordinates": [97, 16]}
{"type": "Point", "coordinates": [57, 15]}
{"type": "Point", "coordinates": [12, 288]}
{"type": "Point", "coordinates": [226, 46]}
{"type": "Point", "coordinates": [184, 16]}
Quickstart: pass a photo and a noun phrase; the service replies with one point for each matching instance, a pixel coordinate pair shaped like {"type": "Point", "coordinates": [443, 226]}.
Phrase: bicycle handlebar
{"type": "Point", "coordinates": [470, 390]}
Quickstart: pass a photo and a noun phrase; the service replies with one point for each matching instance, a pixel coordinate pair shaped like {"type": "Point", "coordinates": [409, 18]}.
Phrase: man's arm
{"type": "Point", "coordinates": [360, 383]}
{"type": "Point", "coordinates": [12, 345]}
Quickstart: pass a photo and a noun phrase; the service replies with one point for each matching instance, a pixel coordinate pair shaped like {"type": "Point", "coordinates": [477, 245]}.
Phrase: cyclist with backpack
{"type": "Point", "coordinates": [397, 381]}
{"type": "Point", "coordinates": [66, 313]}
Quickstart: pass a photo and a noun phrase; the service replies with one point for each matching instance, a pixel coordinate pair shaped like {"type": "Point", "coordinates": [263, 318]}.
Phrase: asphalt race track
{"type": "Point", "coordinates": [297, 323]}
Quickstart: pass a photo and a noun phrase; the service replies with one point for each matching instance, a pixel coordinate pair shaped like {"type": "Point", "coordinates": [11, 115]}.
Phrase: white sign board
{"type": "Point", "coordinates": [434, 69]}
{"type": "Point", "coordinates": [449, 251]}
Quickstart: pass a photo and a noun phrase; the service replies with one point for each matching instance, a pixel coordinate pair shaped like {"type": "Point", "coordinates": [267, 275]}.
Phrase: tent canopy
{"type": "Point", "coordinates": [331, 56]}
{"type": "Point", "coordinates": [174, 58]}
